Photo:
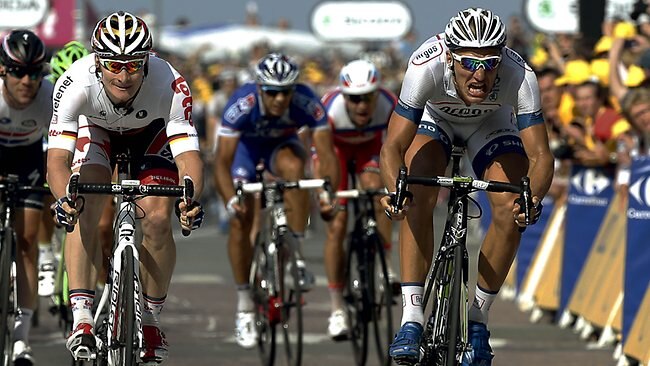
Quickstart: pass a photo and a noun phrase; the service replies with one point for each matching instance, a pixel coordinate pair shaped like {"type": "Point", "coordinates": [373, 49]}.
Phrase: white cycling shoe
{"type": "Point", "coordinates": [338, 327]}
{"type": "Point", "coordinates": [22, 355]}
{"type": "Point", "coordinates": [245, 331]}
{"type": "Point", "coordinates": [46, 278]}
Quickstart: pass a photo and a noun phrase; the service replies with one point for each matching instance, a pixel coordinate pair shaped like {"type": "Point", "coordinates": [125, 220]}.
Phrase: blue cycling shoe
{"type": "Point", "coordinates": [481, 353]}
{"type": "Point", "coordinates": [405, 349]}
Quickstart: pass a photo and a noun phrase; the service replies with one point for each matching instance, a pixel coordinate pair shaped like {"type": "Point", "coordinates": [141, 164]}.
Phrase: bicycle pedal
{"type": "Point", "coordinates": [84, 354]}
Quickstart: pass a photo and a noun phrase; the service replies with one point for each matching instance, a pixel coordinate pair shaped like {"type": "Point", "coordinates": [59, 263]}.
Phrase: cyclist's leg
{"type": "Point", "coordinates": [368, 171]}
{"type": "Point", "coordinates": [46, 260]}
{"type": "Point", "coordinates": [105, 238]}
{"type": "Point", "coordinates": [288, 162]}
{"type": "Point", "coordinates": [427, 156]}
{"type": "Point", "coordinates": [82, 254]}
{"type": "Point", "coordinates": [496, 153]}
{"type": "Point", "coordinates": [240, 249]}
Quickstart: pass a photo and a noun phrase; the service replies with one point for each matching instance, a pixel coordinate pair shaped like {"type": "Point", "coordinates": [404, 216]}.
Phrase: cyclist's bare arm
{"type": "Point", "coordinates": [190, 163]}
{"type": "Point", "coordinates": [401, 132]}
{"type": "Point", "coordinates": [226, 147]}
{"type": "Point", "coordinates": [58, 171]}
{"type": "Point", "coordinates": [540, 166]}
{"type": "Point", "coordinates": [329, 164]}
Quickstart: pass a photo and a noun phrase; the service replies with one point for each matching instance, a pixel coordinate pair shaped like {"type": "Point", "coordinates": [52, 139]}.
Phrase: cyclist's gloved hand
{"type": "Point", "coordinates": [190, 217]}
{"type": "Point", "coordinates": [535, 212]}
{"type": "Point", "coordinates": [234, 207]}
{"type": "Point", "coordinates": [64, 213]}
{"type": "Point", "coordinates": [388, 202]}
{"type": "Point", "coordinates": [327, 207]}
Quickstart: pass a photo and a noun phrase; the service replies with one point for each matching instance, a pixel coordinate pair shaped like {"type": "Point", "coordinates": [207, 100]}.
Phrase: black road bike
{"type": "Point", "coordinates": [445, 337]}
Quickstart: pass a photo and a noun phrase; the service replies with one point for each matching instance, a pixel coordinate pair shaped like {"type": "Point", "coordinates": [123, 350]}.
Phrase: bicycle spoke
{"type": "Point", "coordinates": [381, 290]}
{"type": "Point", "coordinates": [266, 314]}
{"type": "Point", "coordinates": [357, 314]}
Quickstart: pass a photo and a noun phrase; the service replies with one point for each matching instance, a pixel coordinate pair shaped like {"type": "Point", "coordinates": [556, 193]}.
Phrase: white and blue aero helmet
{"type": "Point", "coordinates": [276, 69]}
{"type": "Point", "coordinates": [475, 28]}
{"type": "Point", "coordinates": [359, 77]}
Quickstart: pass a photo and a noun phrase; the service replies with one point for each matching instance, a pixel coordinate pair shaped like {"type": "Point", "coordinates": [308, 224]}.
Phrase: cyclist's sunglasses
{"type": "Point", "coordinates": [472, 64]}
{"type": "Point", "coordinates": [20, 72]}
{"type": "Point", "coordinates": [272, 92]}
{"type": "Point", "coordinates": [116, 66]}
{"type": "Point", "coordinates": [358, 98]}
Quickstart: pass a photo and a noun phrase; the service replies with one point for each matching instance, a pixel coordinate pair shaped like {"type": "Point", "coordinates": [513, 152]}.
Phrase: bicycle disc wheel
{"type": "Point", "coordinates": [290, 299]}
{"type": "Point", "coordinates": [124, 327]}
{"type": "Point", "coordinates": [356, 306]}
{"type": "Point", "coordinates": [6, 299]}
{"type": "Point", "coordinates": [380, 289]}
{"type": "Point", "coordinates": [264, 314]}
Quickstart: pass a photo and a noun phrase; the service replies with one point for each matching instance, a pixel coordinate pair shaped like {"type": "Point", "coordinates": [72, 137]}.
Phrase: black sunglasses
{"type": "Point", "coordinates": [274, 92]}
{"type": "Point", "coordinates": [20, 72]}
{"type": "Point", "coordinates": [358, 98]}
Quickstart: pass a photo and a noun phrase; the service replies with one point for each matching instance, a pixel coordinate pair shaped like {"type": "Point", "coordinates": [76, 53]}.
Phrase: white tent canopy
{"type": "Point", "coordinates": [233, 41]}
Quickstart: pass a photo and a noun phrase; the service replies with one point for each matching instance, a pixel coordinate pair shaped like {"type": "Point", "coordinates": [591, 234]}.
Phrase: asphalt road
{"type": "Point", "coordinates": [199, 319]}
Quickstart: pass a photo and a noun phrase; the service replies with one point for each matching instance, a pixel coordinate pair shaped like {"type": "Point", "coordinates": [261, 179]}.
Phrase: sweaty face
{"type": "Point", "coordinates": [21, 85]}
{"type": "Point", "coordinates": [475, 71]}
{"type": "Point", "coordinates": [122, 77]}
{"type": "Point", "coordinates": [276, 101]}
{"type": "Point", "coordinates": [361, 107]}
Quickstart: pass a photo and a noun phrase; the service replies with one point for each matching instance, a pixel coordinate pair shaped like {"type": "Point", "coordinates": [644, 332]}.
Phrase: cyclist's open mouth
{"type": "Point", "coordinates": [477, 90]}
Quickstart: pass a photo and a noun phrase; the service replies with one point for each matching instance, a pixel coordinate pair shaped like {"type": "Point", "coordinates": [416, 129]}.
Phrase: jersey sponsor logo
{"type": "Point", "coordinates": [59, 92]}
{"type": "Point", "coordinates": [427, 55]}
{"type": "Point", "coordinates": [514, 56]}
{"type": "Point", "coordinates": [141, 114]}
{"type": "Point", "coordinates": [28, 123]}
{"type": "Point", "coordinates": [179, 86]}
{"type": "Point", "coordinates": [465, 111]}
{"type": "Point", "coordinates": [54, 133]}
{"type": "Point", "coordinates": [5, 121]}
{"type": "Point", "coordinates": [309, 106]}
{"type": "Point", "coordinates": [239, 108]}
{"type": "Point", "coordinates": [501, 131]}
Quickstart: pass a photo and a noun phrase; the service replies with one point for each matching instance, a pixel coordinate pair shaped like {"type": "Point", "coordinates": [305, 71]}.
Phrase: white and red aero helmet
{"type": "Point", "coordinates": [475, 28]}
{"type": "Point", "coordinates": [359, 77]}
{"type": "Point", "coordinates": [121, 34]}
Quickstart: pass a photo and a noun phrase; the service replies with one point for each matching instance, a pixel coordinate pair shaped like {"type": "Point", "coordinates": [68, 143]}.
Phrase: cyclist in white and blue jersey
{"type": "Point", "coordinates": [260, 123]}
{"type": "Point", "coordinates": [464, 84]}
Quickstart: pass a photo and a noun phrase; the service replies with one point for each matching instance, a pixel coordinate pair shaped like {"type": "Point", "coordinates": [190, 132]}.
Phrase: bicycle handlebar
{"type": "Point", "coordinates": [279, 184]}
{"type": "Point", "coordinates": [131, 188]}
{"type": "Point", "coordinates": [525, 195]}
{"type": "Point", "coordinates": [356, 193]}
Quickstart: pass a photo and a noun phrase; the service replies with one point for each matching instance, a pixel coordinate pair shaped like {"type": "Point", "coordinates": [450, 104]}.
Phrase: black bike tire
{"type": "Point", "coordinates": [5, 296]}
{"type": "Point", "coordinates": [453, 325]}
{"type": "Point", "coordinates": [382, 300]}
{"type": "Point", "coordinates": [291, 298]}
{"type": "Point", "coordinates": [266, 341]}
{"type": "Point", "coordinates": [127, 309]}
{"type": "Point", "coordinates": [356, 306]}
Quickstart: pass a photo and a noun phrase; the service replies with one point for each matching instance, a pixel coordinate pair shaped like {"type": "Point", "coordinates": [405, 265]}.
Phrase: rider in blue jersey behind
{"type": "Point", "coordinates": [260, 123]}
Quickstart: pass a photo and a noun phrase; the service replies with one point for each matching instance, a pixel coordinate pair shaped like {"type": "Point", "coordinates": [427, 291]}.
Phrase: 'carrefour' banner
{"type": "Point", "coordinates": [637, 255]}
{"type": "Point", "coordinates": [590, 192]}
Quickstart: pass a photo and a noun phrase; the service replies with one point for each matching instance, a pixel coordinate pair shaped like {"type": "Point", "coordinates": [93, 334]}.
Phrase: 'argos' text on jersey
{"type": "Point", "coordinates": [465, 111]}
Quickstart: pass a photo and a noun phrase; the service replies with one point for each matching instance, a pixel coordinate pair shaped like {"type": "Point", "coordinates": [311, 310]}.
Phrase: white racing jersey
{"type": "Point", "coordinates": [164, 95]}
{"type": "Point", "coordinates": [344, 131]}
{"type": "Point", "coordinates": [25, 126]}
{"type": "Point", "coordinates": [429, 86]}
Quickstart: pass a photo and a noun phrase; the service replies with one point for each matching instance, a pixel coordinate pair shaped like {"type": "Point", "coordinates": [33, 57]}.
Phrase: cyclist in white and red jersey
{"type": "Point", "coordinates": [358, 111]}
{"type": "Point", "coordinates": [464, 85]}
{"type": "Point", "coordinates": [131, 99]}
{"type": "Point", "coordinates": [25, 109]}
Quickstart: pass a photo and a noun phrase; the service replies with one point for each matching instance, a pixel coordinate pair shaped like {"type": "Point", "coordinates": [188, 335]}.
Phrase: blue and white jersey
{"type": "Point", "coordinates": [244, 115]}
{"type": "Point", "coordinates": [429, 87]}
{"type": "Point", "coordinates": [22, 127]}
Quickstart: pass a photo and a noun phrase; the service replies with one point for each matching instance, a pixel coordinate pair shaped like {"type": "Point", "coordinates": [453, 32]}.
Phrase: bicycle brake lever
{"type": "Point", "coordinates": [525, 202]}
{"type": "Point", "coordinates": [187, 198]}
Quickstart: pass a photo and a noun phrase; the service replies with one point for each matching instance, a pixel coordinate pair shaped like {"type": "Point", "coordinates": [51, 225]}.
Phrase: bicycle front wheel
{"type": "Point", "coordinates": [265, 311]}
{"type": "Point", "coordinates": [6, 298]}
{"type": "Point", "coordinates": [380, 289]}
{"type": "Point", "coordinates": [357, 300]}
{"type": "Point", "coordinates": [290, 299]}
{"type": "Point", "coordinates": [123, 331]}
